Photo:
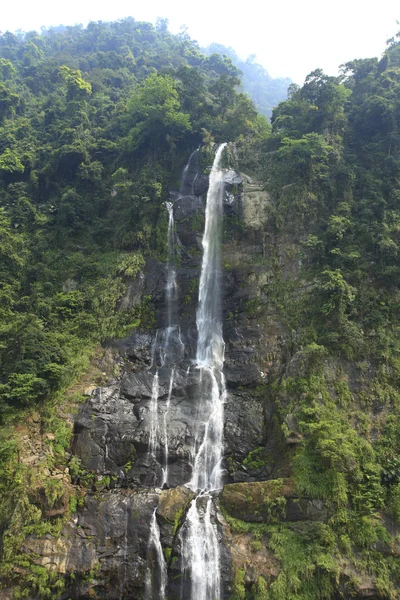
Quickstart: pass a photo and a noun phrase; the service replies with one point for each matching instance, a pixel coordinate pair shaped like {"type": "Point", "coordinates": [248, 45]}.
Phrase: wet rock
{"type": "Point", "coordinates": [201, 183]}
{"type": "Point", "coordinates": [244, 426]}
{"type": "Point", "coordinates": [188, 206]}
{"type": "Point", "coordinates": [172, 507]}
{"type": "Point", "coordinates": [104, 434]}
{"type": "Point", "coordinates": [109, 538]}
{"type": "Point", "coordinates": [113, 427]}
{"type": "Point", "coordinates": [232, 178]}
{"type": "Point", "coordinates": [135, 349]}
{"type": "Point", "coordinates": [173, 502]}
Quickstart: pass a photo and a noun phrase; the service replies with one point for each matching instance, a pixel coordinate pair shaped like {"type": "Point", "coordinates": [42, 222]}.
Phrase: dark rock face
{"type": "Point", "coordinates": [200, 185]}
{"type": "Point", "coordinates": [108, 538]}
{"type": "Point", "coordinates": [110, 534]}
{"type": "Point", "coordinates": [188, 206]}
{"type": "Point", "coordinates": [113, 428]}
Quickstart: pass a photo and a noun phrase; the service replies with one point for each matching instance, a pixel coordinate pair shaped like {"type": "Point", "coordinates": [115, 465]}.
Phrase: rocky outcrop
{"type": "Point", "coordinates": [104, 547]}
{"type": "Point", "coordinates": [270, 501]}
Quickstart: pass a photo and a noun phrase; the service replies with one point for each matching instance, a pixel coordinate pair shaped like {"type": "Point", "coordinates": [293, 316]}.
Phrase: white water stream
{"type": "Point", "coordinates": [168, 348]}
{"type": "Point", "coordinates": [165, 430]}
{"type": "Point", "coordinates": [200, 547]}
{"type": "Point", "coordinates": [156, 576]}
{"type": "Point", "coordinates": [199, 535]}
{"type": "Point", "coordinates": [154, 425]}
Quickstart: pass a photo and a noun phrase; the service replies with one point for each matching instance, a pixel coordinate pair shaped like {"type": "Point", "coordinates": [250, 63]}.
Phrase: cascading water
{"type": "Point", "coordinates": [125, 554]}
{"type": "Point", "coordinates": [165, 429]}
{"type": "Point", "coordinates": [156, 577]}
{"type": "Point", "coordinates": [199, 536]}
{"type": "Point", "coordinates": [168, 348]}
{"type": "Point", "coordinates": [200, 549]}
{"type": "Point", "coordinates": [154, 425]}
{"type": "Point", "coordinates": [171, 287]}
{"type": "Point", "coordinates": [187, 183]}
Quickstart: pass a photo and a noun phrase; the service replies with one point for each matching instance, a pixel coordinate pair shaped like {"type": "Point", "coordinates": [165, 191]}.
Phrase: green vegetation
{"type": "Point", "coordinates": [95, 124]}
{"type": "Point", "coordinates": [332, 169]}
{"type": "Point", "coordinates": [89, 147]}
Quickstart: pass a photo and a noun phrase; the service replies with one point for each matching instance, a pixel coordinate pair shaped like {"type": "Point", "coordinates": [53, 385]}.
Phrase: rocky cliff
{"type": "Point", "coordinates": [101, 550]}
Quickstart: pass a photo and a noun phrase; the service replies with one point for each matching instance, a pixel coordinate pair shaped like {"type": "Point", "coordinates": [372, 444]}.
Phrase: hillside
{"type": "Point", "coordinates": [199, 324]}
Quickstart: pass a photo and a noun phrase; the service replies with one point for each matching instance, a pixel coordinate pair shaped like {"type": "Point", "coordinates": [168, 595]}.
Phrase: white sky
{"type": "Point", "coordinates": [290, 38]}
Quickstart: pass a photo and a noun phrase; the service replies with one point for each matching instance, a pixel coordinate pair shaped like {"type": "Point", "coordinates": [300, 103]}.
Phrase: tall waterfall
{"type": "Point", "coordinates": [200, 549]}
{"type": "Point", "coordinates": [167, 349]}
{"type": "Point", "coordinates": [154, 424]}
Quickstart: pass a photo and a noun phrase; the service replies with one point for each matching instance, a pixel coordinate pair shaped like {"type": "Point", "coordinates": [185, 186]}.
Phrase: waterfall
{"type": "Point", "coordinates": [198, 535]}
{"type": "Point", "coordinates": [125, 553]}
{"type": "Point", "coordinates": [165, 430]}
{"type": "Point", "coordinates": [171, 287]}
{"type": "Point", "coordinates": [154, 425]}
{"type": "Point", "coordinates": [187, 184]}
{"type": "Point", "coordinates": [210, 345]}
{"type": "Point", "coordinates": [200, 549]}
{"type": "Point", "coordinates": [156, 576]}
{"type": "Point", "coordinates": [167, 347]}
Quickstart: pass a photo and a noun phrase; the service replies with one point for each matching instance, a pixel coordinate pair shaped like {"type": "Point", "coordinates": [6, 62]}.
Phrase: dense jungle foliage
{"type": "Point", "coordinates": [95, 125]}
{"type": "Point", "coordinates": [332, 167]}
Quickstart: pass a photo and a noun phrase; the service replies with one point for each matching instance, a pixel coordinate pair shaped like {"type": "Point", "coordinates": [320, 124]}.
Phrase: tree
{"type": "Point", "coordinates": [8, 102]}
{"type": "Point", "coordinates": [154, 115]}
{"type": "Point", "coordinates": [77, 87]}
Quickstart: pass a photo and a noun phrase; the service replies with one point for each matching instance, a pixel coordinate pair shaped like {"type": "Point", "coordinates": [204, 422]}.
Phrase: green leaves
{"type": "Point", "coordinates": [337, 294]}
{"type": "Point", "coordinates": [10, 162]}
{"type": "Point", "coordinates": [24, 389]}
{"type": "Point", "coordinates": [308, 158]}
{"type": "Point", "coordinates": [153, 114]}
{"type": "Point", "coordinates": [8, 102]}
{"type": "Point", "coordinates": [77, 87]}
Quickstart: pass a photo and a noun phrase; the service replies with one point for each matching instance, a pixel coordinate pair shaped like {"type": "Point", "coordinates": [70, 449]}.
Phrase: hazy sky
{"type": "Point", "coordinates": [290, 38]}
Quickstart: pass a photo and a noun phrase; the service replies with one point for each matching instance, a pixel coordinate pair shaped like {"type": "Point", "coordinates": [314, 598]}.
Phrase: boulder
{"type": "Point", "coordinates": [270, 501]}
